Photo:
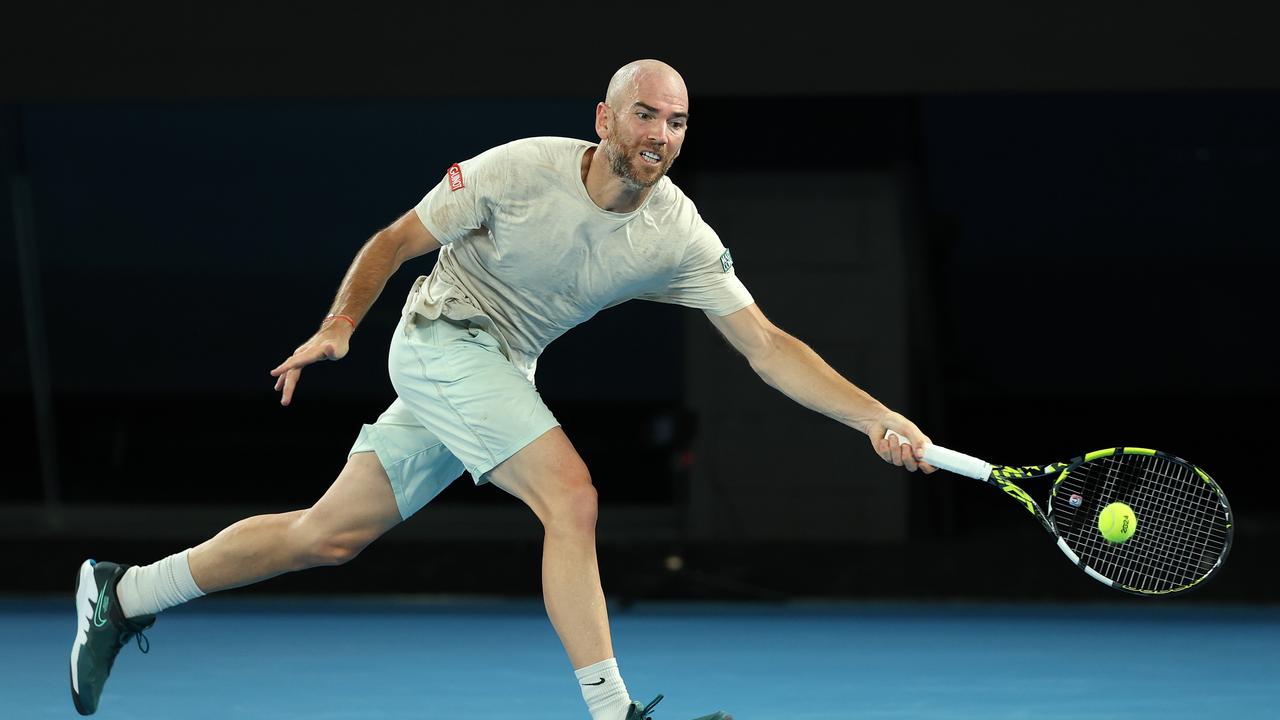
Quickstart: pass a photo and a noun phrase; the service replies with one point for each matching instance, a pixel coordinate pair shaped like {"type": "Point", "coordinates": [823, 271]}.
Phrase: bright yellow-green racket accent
{"type": "Point", "coordinates": [1019, 494]}
{"type": "Point", "coordinates": [1015, 472]}
{"type": "Point", "coordinates": [1164, 592]}
{"type": "Point", "coordinates": [1100, 453]}
{"type": "Point", "coordinates": [1139, 451]}
{"type": "Point", "coordinates": [1203, 476]}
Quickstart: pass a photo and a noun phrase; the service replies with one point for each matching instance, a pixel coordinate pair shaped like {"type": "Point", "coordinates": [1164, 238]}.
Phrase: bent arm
{"type": "Point", "coordinates": [379, 259]}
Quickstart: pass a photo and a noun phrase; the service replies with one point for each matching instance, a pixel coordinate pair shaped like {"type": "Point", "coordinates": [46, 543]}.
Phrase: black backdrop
{"type": "Point", "coordinates": [1094, 187]}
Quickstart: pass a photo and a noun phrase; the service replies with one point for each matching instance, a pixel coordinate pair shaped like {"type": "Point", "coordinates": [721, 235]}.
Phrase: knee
{"type": "Point", "coordinates": [313, 547]}
{"type": "Point", "coordinates": [334, 552]}
{"type": "Point", "coordinates": [575, 507]}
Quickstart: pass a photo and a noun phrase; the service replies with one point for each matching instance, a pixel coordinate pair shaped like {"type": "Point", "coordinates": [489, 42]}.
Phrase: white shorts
{"type": "Point", "coordinates": [461, 405]}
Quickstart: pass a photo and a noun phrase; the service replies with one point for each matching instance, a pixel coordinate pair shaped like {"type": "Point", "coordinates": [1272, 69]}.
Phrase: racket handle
{"type": "Point", "coordinates": [951, 461]}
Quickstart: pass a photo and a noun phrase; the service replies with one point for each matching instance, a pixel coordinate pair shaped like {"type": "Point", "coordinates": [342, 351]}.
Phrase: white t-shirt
{"type": "Point", "coordinates": [527, 254]}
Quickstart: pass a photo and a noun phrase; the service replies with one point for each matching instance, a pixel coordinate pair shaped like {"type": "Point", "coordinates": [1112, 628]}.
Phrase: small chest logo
{"type": "Point", "coordinates": [455, 178]}
{"type": "Point", "coordinates": [726, 262]}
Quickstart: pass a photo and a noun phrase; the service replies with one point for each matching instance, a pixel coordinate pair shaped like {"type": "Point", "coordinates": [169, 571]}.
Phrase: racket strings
{"type": "Point", "coordinates": [1183, 527]}
{"type": "Point", "coordinates": [1181, 549]}
{"type": "Point", "coordinates": [1168, 555]}
{"type": "Point", "coordinates": [1175, 550]}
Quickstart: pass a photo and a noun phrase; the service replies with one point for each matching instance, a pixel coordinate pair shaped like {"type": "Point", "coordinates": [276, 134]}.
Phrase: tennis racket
{"type": "Point", "coordinates": [1184, 526]}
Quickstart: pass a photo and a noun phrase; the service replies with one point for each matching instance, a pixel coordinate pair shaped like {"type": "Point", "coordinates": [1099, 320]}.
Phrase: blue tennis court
{"type": "Point", "coordinates": [356, 659]}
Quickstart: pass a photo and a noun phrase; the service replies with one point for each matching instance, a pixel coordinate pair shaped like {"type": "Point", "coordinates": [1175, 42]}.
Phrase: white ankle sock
{"type": "Point", "coordinates": [604, 691]}
{"type": "Point", "coordinates": [149, 589]}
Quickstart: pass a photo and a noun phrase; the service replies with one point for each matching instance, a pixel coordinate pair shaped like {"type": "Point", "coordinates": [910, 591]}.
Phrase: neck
{"type": "Point", "coordinates": [607, 190]}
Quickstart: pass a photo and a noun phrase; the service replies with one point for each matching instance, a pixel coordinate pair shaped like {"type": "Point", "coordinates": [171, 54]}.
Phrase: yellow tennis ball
{"type": "Point", "coordinates": [1117, 522]}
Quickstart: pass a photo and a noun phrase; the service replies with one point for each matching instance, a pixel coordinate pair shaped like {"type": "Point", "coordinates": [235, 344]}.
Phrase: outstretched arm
{"type": "Point", "coordinates": [377, 261]}
{"type": "Point", "coordinates": [790, 366]}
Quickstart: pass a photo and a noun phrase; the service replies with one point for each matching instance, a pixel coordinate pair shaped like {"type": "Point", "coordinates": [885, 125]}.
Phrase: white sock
{"type": "Point", "coordinates": [604, 691]}
{"type": "Point", "coordinates": [149, 589]}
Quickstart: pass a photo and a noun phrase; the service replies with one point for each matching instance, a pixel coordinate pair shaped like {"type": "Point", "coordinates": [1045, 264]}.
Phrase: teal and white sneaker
{"type": "Point", "coordinates": [636, 712]}
{"type": "Point", "coordinates": [101, 630]}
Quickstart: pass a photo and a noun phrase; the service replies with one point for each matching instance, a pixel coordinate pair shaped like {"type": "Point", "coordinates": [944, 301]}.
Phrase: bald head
{"type": "Point", "coordinates": [641, 124]}
{"type": "Point", "coordinates": [642, 77]}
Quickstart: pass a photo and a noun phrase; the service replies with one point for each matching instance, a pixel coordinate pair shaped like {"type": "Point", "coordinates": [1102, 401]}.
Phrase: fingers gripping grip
{"type": "Point", "coordinates": [950, 460]}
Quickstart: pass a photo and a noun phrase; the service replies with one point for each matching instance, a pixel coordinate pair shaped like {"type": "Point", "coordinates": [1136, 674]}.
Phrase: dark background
{"type": "Point", "coordinates": [1090, 194]}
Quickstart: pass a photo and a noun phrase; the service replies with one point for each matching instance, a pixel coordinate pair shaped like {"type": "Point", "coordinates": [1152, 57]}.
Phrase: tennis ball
{"type": "Point", "coordinates": [1117, 522]}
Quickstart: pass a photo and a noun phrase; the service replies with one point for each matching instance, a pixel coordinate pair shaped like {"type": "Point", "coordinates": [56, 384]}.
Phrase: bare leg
{"type": "Point", "coordinates": [550, 477]}
{"type": "Point", "coordinates": [356, 510]}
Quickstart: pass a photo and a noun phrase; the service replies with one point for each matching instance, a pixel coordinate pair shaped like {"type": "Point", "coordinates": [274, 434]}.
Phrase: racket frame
{"type": "Point", "coordinates": [1003, 476]}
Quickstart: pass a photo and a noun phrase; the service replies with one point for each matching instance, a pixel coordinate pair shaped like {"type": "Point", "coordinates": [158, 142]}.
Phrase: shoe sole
{"type": "Point", "coordinates": [82, 627]}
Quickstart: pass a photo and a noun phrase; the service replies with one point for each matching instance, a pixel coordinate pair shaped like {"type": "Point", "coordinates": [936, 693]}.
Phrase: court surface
{"type": "Point", "coordinates": [479, 659]}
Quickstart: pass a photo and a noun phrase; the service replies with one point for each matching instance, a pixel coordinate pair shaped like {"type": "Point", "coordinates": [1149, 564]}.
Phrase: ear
{"type": "Point", "coordinates": [602, 120]}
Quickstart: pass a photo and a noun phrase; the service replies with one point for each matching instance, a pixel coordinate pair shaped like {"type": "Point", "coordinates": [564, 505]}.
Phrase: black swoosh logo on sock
{"type": "Point", "coordinates": [600, 682]}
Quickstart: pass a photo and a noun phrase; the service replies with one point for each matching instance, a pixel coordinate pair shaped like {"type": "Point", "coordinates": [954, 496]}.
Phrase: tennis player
{"type": "Point", "coordinates": [534, 237]}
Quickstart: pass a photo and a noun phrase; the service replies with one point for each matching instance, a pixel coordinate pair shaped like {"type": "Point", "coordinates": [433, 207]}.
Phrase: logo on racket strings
{"type": "Point", "coordinates": [1075, 500]}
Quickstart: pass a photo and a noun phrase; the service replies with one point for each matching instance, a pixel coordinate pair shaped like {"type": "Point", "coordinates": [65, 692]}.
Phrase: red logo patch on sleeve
{"type": "Point", "coordinates": [455, 177]}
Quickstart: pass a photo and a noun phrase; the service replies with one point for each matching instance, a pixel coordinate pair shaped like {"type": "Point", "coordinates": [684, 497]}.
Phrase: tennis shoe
{"type": "Point", "coordinates": [638, 712]}
{"type": "Point", "coordinates": [101, 630]}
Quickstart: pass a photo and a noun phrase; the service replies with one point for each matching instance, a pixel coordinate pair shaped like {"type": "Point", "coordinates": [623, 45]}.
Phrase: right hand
{"type": "Point", "coordinates": [329, 343]}
{"type": "Point", "coordinates": [904, 447]}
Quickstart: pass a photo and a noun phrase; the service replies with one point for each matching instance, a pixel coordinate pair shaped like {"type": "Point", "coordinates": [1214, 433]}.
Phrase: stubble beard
{"type": "Point", "coordinates": [620, 162]}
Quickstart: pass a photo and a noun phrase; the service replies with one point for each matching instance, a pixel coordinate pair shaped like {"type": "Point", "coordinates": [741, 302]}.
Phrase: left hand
{"type": "Point", "coordinates": [906, 454]}
{"type": "Point", "coordinates": [331, 342]}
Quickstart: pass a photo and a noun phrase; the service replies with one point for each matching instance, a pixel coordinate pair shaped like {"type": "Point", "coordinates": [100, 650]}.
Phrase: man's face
{"type": "Point", "coordinates": [645, 136]}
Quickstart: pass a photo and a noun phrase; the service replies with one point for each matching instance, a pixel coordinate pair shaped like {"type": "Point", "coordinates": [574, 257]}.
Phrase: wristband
{"type": "Point", "coordinates": [335, 316]}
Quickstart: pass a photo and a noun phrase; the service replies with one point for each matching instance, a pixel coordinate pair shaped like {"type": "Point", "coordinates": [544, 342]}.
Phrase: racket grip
{"type": "Point", "coordinates": [952, 461]}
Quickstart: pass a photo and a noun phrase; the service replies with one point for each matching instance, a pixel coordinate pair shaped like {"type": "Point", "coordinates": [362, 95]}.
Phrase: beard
{"type": "Point", "coordinates": [624, 165]}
